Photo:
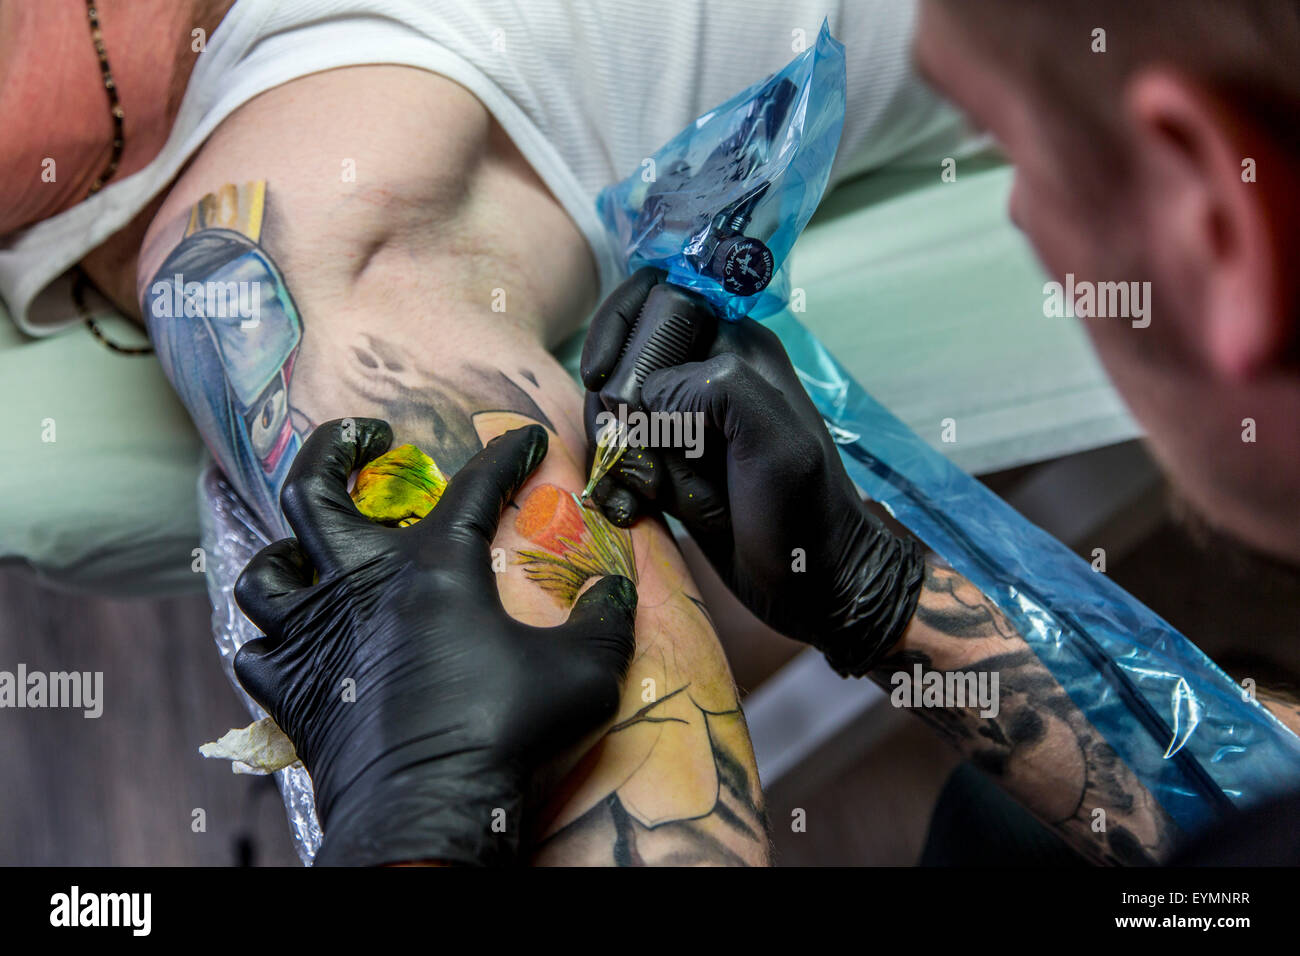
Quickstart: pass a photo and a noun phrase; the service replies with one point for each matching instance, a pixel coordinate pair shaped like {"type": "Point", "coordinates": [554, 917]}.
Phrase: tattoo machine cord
{"type": "Point", "coordinates": [727, 199]}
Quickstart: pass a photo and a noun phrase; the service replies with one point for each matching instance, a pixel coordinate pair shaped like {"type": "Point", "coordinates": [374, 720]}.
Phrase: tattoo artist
{"type": "Point", "coordinates": [458, 707]}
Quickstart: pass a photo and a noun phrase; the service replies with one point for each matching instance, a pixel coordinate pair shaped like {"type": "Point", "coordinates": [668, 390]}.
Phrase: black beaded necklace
{"type": "Point", "coordinates": [114, 104]}
{"type": "Point", "coordinates": [80, 279]}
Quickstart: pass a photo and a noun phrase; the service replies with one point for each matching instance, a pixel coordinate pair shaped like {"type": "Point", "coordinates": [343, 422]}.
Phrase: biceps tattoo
{"type": "Point", "coordinates": [227, 331]}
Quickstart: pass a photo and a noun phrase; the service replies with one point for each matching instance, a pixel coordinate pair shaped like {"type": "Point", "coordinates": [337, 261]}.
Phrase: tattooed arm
{"type": "Point", "coordinates": [1038, 745]}
{"type": "Point", "coordinates": [423, 291]}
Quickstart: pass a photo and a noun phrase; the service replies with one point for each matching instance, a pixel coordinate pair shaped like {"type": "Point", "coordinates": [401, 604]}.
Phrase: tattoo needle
{"type": "Point", "coordinates": [610, 445]}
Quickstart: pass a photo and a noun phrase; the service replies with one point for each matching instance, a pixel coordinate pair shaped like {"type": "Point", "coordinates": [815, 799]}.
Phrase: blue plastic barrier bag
{"type": "Point", "coordinates": [719, 207]}
{"type": "Point", "coordinates": [754, 167]}
{"type": "Point", "coordinates": [1198, 742]}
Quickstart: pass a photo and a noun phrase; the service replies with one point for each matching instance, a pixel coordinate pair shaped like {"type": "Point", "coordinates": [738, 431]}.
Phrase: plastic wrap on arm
{"type": "Point", "coordinates": [230, 538]}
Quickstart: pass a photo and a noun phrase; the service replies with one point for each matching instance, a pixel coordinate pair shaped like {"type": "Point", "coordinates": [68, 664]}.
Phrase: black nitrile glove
{"type": "Point", "coordinates": [768, 488]}
{"type": "Point", "coordinates": [419, 706]}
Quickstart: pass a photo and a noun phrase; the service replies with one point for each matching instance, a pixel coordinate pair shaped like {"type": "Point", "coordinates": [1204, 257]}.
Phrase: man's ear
{"type": "Point", "coordinates": [1228, 205]}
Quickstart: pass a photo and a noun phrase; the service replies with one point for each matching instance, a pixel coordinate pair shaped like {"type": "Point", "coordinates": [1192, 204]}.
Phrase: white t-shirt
{"type": "Point", "coordinates": [585, 88]}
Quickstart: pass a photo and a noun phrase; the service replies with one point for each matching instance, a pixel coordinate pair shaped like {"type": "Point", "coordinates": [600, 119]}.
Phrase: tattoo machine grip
{"type": "Point", "coordinates": [673, 326]}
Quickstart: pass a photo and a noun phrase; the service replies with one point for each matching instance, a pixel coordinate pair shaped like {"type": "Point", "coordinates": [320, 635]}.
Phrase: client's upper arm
{"type": "Point", "coordinates": [277, 300]}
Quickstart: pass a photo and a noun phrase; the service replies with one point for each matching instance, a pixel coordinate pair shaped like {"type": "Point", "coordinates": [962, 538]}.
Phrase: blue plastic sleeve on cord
{"type": "Point", "coordinates": [758, 165]}
{"type": "Point", "coordinates": [1195, 739]}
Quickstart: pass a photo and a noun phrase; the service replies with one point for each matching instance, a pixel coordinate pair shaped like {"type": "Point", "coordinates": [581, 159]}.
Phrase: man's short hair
{"type": "Point", "coordinates": [1245, 50]}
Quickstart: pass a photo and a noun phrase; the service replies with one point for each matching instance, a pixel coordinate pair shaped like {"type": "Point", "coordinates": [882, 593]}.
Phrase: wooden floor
{"type": "Point", "coordinates": [123, 788]}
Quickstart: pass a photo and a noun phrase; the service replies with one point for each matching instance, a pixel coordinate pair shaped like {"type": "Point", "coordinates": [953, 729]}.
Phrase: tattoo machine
{"type": "Point", "coordinates": [718, 209]}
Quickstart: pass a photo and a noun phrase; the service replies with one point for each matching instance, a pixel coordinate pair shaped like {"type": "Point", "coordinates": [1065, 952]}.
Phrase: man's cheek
{"type": "Point", "coordinates": [1016, 202]}
{"type": "Point", "coordinates": [1044, 228]}
{"type": "Point", "coordinates": [1057, 234]}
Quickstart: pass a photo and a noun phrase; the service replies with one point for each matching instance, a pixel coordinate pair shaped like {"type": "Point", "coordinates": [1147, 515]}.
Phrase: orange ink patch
{"type": "Point", "coordinates": [549, 514]}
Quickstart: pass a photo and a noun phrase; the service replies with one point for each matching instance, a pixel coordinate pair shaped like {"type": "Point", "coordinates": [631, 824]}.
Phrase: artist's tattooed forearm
{"type": "Point", "coordinates": [952, 605]}
{"type": "Point", "coordinates": [1039, 745]}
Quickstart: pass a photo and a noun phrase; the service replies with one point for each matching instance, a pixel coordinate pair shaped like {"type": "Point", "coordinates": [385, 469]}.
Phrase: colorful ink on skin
{"type": "Point", "coordinates": [577, 543]}
{"type": "Point", "coordinates": [399, 487]}
{"type": "Point", "coordinates": [231, 369]}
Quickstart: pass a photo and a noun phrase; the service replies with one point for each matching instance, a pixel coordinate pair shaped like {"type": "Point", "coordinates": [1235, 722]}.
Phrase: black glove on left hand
{"type": "Point", "coordinates": [419, 706]}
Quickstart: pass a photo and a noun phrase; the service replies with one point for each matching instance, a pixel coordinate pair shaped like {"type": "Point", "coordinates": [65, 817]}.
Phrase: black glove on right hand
{"type": "Point", "coordinates": [768, 500]}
